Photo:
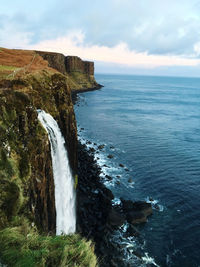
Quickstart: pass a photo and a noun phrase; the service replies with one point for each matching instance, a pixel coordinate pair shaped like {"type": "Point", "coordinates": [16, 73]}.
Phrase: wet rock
{"type": "Point", "coordinates": [127, 205]}
{"type": "Point", "coordinates": [117, 182]}
{"type": "Point", "coordinates": [106, 166]}
{"type": "Point", "coordinates": [100, 147]}
{"type": "Point", "coordinates": [82, 129]}
{"type": "Point", "coordinates": [112, 147]}
{"type": "Point", "coordinates": [130, 180]}
{"type": "Point", "coordinates": [92, 150]}
{"type": "Point", "coordinates": [126, 169]}
{"type": "Point", "coordinates": [143, 206]}
{"type": "Point", "coordinates": [110, 156]}
{"type": "Point", "coordinates": [136, 217]}
{"type": "Point", "coordinates": [118, 176]}
{"type": "Point", "coordinates": [121, 165]}
{"type": "Point", "coordinates": [108, 177]}
{"type": "Point", "coordinates": [132, 231]}
{"type": "Point", "coordinates": [137, 254]}
{"type": "Point", "coordinates": [115, 219]}
{"type": "Point", "coordinates": [89, 142]}
{"type": "Point", "coordinates": [136, 212]}
{"type": "Point", "coordinates": [107, 193]}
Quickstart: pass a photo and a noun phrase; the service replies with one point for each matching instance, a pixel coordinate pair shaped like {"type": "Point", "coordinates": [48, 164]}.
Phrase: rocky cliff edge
{"type": "Point", "coordinates": [29, 81]}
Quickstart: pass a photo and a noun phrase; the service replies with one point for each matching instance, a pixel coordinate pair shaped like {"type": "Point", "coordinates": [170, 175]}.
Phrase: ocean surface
{"type": "Point", "coordinates": [151, 125]}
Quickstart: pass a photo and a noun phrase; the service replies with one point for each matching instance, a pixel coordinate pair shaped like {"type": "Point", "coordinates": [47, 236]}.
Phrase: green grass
{"type": "Point", "coordinates": [7, 68]}
{"type": "Point", "coordinates": [22, 246]}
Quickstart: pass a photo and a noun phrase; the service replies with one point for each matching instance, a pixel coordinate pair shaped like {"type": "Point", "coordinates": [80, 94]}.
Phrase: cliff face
{"type": "Point", "coordinates": [78, 65]}
{"type": "Point", "coordinates": [80, 74]}
{"type": "Point", "coordinates": [31, 80]}
{"type": "Point", "coordinates": [55, 60]}
{"type": "Point", "coordinates": [27, 186]}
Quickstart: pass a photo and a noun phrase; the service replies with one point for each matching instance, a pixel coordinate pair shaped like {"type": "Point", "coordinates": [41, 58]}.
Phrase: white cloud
{"type": "Point", "coordinates": [74, 44]}
{"type": "Point", "coordinates": [10, 37]}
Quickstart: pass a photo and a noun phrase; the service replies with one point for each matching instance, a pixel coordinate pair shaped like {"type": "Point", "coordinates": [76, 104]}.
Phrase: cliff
{"type": "Point", "coordinates": [80, 74]}
{"type": "Point", "coordinates": [29, 81]}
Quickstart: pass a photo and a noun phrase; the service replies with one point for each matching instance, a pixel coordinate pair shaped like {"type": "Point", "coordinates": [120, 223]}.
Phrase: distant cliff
{"type": "Point", "coordinates": [80, 73]}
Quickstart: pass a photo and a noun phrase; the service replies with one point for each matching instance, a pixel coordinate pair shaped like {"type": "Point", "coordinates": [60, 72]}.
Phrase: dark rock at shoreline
{"type": "Point", "coordinates": [136, 217]}
{"type": "Point", "coordinates": [108, 177]}
{"type": "Point", "coordinates": [100, 147]}
{"type": "Point", "coordinates": [132, 231]}
{"type": "Point", "coordinates": [121, 165]}
{"type": "Point", "coordinates": [110, 156]}
{"type": "Point", "coordinates": [136, 212]}
{"type": "Point", "coordinates": [94, 205]}
{"type": "Point", "coordinates": [92, 150]}
{"type": "Point", "coordinates": [106, 166]}
{"type": "Point", "coordinates": [97, 218]}
{"type": "Point", "coordinates": [115, 219]}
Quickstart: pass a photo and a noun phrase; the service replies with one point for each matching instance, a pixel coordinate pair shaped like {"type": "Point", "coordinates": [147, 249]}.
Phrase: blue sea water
{"type": "Point", "coordinates": [154, 125]}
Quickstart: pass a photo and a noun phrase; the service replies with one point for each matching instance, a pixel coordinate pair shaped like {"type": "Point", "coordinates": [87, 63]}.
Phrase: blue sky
{"type": "Point", "coordinates": [122, 36]}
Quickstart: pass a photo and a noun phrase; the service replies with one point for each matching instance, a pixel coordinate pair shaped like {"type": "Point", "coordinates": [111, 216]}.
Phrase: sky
{"type": "Point", "coordinates": [145, 37]}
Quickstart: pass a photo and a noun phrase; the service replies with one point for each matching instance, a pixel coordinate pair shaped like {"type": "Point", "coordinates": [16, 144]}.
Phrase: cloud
{"type": "Point", "coordinates": [11, 36]}
{"type": "Point", "coordinates": [75, 44]}
{"type": "Point", "coordinates": [156, 27]}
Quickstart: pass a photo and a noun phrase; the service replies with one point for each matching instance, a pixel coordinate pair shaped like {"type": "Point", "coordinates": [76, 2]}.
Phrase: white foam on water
{"type": "Point", "coordinates": [65, 196]}
{"type": "Point", "coordinates": [129, 244]}
{"type": "Point", "coordinates": [155, 204]}
{"type": "Point", "coordinates": [149, 260]}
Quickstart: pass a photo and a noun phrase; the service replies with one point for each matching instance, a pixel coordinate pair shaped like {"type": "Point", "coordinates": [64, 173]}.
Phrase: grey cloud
{"type": "Point", "coordinates": [157, 27]}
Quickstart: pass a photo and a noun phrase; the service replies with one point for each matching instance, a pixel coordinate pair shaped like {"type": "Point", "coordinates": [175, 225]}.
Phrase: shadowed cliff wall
{"type": "Point", "coordinates": [27, 185]}
{"type": "Point", "coordinates": [80, 73]}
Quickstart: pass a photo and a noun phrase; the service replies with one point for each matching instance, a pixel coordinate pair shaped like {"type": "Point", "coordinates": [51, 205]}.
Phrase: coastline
{"type": "Point", "coordinates": [74, 93]}
{"type": "Point", "coordinates": [99, 218]}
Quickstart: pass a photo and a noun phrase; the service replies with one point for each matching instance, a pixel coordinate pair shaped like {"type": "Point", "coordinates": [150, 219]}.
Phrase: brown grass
{"type": "Point", "coordinates": [23, 61]}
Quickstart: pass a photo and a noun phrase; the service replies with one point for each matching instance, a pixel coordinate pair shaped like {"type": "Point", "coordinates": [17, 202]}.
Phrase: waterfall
{"type": "Point", "coordinates": [63, 180]}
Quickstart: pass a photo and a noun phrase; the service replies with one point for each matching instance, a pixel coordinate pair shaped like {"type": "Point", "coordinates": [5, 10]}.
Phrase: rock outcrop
{"type": "Point", "coordinates": [76, 64]}
{"type": "Point", "coordinates": [55, 60]}
{"type": "Point", "coordinates": [80, 73]}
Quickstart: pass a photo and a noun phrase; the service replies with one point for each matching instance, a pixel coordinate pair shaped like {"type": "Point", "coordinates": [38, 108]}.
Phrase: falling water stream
{"type": "Point", "coordinates": [65, 196]}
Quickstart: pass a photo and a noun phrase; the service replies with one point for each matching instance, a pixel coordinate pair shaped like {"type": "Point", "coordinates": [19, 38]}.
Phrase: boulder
{"type": "Point", "coordinates": [115, 219]}
{"type": "Point", "coordinates": [136, 217]}
{"type": "Point", "coordinates": [100, 147]}
{"type": "Point", "coordinates": [136, 212]}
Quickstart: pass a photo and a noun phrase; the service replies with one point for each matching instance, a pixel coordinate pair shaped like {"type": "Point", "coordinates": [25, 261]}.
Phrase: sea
{"type": "Point", "coordinates": [151, 125]}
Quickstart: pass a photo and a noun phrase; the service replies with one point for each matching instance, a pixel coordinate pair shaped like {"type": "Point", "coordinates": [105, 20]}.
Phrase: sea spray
{"type": "Point", "coordinates": [64, 184]}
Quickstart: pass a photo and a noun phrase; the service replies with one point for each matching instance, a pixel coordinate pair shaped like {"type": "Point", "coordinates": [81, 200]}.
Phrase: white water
{"type": "Point", "coordinates": [64, 184]}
